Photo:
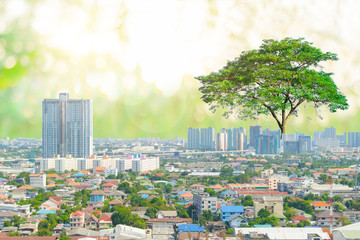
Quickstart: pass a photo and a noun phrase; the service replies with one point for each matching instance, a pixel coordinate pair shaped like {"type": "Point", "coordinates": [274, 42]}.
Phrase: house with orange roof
{"type": "Point", "coordinates": [77, 219]}
{"type": "Point", "coordinates": [105, 221]}
{"type": "Point", "coordinates": [25, 187]}
{"type": "Point", "coordinates": [110, 186]}
{"type": "Point", "coordinates": [341, 171]}
{"type": "Point", "coordinates": [53, 176]}
{"type": "Point", "coordinates": [144, 173]}
{"type": "Point", "coordinates": [85, 172]}
{"type": "Point", "coordinates": [296, 219]}
{"type": "Point", "coordinates": [73, 184]}
{"type": "Point", "coordinates": [99, 169]}
{"type": "Point", "coordinates": [53, 203]}
{"type": "Point", "coordinates": [217, 187]}
{"type": "Point", "coordinates": [197, 187]}
{"type": "Point", "coordinates": [320, 206]}
{"type": "Point", "coordinates": [186, 196]}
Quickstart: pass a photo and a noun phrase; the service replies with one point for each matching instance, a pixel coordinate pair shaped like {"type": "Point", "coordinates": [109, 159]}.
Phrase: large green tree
{"type": "Point", "coordinates": [273, 80]}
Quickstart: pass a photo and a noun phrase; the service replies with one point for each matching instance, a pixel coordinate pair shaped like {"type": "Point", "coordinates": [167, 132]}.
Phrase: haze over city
{"type": "Point", "coordinates": [137, 62]}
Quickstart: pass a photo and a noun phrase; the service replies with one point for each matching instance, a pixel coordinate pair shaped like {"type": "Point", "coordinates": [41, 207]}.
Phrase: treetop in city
{"type": "Point", "coordinates": [273, 80]}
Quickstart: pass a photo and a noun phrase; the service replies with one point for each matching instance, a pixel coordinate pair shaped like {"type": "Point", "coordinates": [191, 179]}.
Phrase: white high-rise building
{"type": "Point", "coordinates": [63, 164]}
{"type": "Point", "coordinates": [67, 127]}
{"type": "Point", "coordinates": [193, 136]}
{"type": "Point", "coordinates": [141, 163]}
{"type": "Point", "coordinates": [221, 141]}
{"type": "Point", "coordinates": [123, 165]}
{"type": "Point", "coordinates": [241, 141]}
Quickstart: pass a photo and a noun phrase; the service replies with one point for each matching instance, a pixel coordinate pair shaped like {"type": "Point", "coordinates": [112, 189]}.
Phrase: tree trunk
{"type": "Point", "coordinates": [282, 129]}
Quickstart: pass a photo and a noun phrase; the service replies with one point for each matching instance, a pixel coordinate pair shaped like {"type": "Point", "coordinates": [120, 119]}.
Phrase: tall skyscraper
{"type": "Point", "coordinates": [305, 144]}
{"type": "Point", "coordinates": [221, 141]}
{"type": "Point", "coordinates": [255, 131]}
{"type": "Point", "coordinates": [207, 140]}
{"type": "Point", "coordinates": [330, 132]}
{"type": "Point", "coordinates": [267, 144]}
{"type": "Point", "coordinates": [241, 140]}
{"type": "Point", "coordinates": [67, 127]}
{"type": "Point", "coordinates": [193, 136]}
{"type": "Point", "coordinates": [353, 139]}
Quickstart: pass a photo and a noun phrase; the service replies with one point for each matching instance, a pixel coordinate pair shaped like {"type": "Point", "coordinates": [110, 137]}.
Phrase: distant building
{"type": "Point", "coordinates": [267, 144]}
{"type": "Point", "coordinates": [305, 145]}
{"type": "Point", "coordinates": [37, 180]}
{"type": "Point", "coordinates": [204, 202]}
{"type": "Point", "coordinates": [221, 141]}
{"type": "Point", "coordinates": [255, 132]}
{"type": "Point", "coordinates": [193, 138]}
{"type": "Point", "coordinates": [342, 139]}
{"type": "Point", "coordinates": [141, 163]}
{"type": "Point", "coordinates": [97, 196]}
{"type": "Point", "coordinates": [67, 127]}
{"type": "Point", "coordinates": [207, 139]}
{"type": "Point", "coordinates": [227, 211]}
{"type": "Point", "coordinates": [77, 219]}
{"type": "Point", "coordinates": [330, 132]}
{"type": "Point", "coordinates": [353, 139]}
{"type": "Point", "coordinates": [291, 147]}
{"type": "Point", "coordinates": [241, 140]}
{"type": "Point", "coordinates": [124, 164]}
{"type": "Point", "coordinates": [272, 204]}
{"type": "Point", "coordinates": [110, 171]}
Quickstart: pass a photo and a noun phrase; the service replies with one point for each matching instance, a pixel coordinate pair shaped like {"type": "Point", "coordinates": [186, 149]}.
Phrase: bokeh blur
{"type": "Point", "coordinates": [137, 58]}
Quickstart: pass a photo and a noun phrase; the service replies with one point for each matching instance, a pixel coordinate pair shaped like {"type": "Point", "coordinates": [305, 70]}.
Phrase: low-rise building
{"type": "Point", "coordinates": [323, 218]}
{"type": "Point", "coordinates": [15, 208]}
{"type": "Point", "coordinates": [204, 202]}
{"type": "Point", "coordinates": [77, 219]}
{"type": "Point", "coordinates": [320, 206]}
{"type": "Point", "coordinates": [227, 211]}
{"type": "Point", "coordinates": [97, 196]}
{"type": "Point", "coordinates": [37, 180]}
{"type": "Point", "coordinates": [273, 204]}
{"type": "Point", "coordinates": [166, 214]}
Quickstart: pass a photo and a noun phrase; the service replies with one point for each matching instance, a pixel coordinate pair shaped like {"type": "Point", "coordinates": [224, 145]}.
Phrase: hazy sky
{"type": "Point", "coordinates": [137, 59]}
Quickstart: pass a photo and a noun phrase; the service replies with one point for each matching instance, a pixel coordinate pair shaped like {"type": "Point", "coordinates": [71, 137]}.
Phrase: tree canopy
{"type": "Point", "coordinates": [273, 80]}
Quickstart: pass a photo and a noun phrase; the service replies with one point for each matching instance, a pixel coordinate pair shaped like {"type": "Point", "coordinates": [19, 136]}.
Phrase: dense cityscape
{"type": "Point", "coordinates": [231, 184]}
{"type": "Point", "coordinates": [179, 120]}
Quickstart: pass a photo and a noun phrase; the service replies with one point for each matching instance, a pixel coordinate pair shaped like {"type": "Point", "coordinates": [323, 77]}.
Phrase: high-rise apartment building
{"type": "Point", "coordinates": [330, 132]}
{"type": "Point", "coordinates": [241, 140]}
{"type": "Point", "coordinates": [193, 138]}
{"type": "Point", "coordinates": [305, 144]}
{"type": "Point", "coordinates": [342, 139]}
{"type": "Point", "coordinates": [207, 140]}
{"type": "Point", "coordinates": [221, 141]}
{"type": "Point", "coordinates": [353, 139]}
{"type": "Point", "coordinates": [233, 137]}
{"type": "Point", "coordinates": [67, 127]}
{"type": "Point", "coordinates": [255, 131]}
{"type": "Point", "coordinates": [267, 144]}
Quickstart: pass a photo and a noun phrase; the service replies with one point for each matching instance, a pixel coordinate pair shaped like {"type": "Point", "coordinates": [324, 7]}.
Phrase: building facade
{"type": "Point", "coordinates": [37, 180]}
{"type": "Point", "coordinates": [67, 127]}
{"type": "Point", "coordinates": [204, 202]}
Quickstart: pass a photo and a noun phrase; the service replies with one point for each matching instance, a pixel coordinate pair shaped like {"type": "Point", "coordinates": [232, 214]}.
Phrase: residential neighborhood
{"type": "Point", "coordinates": [172, 203]}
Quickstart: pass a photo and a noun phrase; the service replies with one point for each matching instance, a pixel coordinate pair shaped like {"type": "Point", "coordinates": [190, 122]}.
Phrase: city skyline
{"type": "Point", "coordinates": [139, 69]}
